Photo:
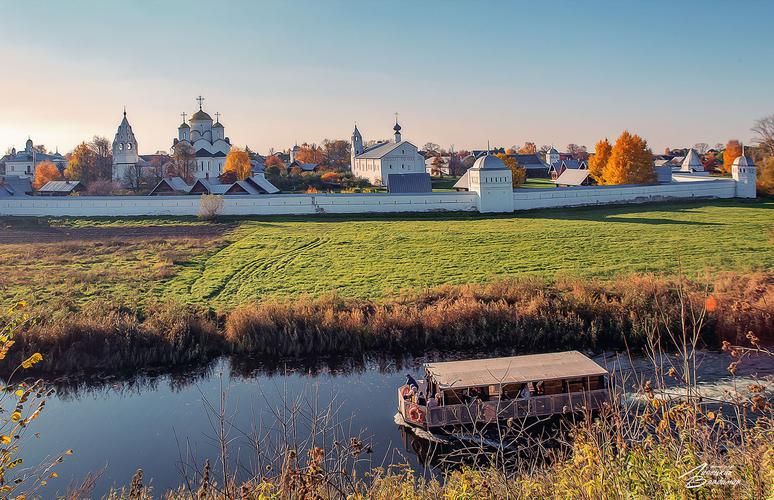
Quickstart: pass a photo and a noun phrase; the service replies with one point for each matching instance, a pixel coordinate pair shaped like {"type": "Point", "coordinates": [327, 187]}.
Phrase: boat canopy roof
{"type": "Point", "coordinates": [513, 370]}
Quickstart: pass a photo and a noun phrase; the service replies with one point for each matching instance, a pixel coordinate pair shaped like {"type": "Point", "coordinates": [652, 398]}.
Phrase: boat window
{"type": "Point", "coordinates": [553, 387]}
{"type": "Point", "coordinates": [575, 385]}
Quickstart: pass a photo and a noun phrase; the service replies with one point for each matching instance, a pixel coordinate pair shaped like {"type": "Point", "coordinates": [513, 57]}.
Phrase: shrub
{"type": "Point", "coordinates": [210, 206]}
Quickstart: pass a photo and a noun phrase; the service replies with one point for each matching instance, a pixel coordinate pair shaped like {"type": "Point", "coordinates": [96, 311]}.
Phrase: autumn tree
{"type": "Point", "coordinates": [336, 152]}
{"type": "Point", "coordinates": [631, 162]}
{"type": "Point", "coordinates": [238, 162]}
{"type": "Point", "coordinates": [600, 158]}
{"type": "Point", "coordinates": [272, 161]}
{"type": "Point", "coordinates": [518, 173]}
{"type": "Point", "coordinates": [765, 179]}
{"type": "Point", "coordinates": [732, 152]}
{"type": "Point", "coordinates": [44, 172]}
{"type": "Point", "coordinates": [529, 148]}
{"type": "Point", "coordinates": [310, 154]}
{"type": "Point", "coordinates": [80, 166]}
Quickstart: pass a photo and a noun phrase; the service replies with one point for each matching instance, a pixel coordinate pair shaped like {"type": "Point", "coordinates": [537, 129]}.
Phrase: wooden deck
{"type": "Point", "coordinates": [492, 411]}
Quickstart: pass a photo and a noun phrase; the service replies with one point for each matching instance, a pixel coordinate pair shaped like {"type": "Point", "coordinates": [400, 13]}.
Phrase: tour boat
{"type": "Point", "coordinates": [485, 391]}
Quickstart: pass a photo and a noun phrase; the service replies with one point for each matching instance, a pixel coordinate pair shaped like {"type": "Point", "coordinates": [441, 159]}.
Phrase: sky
{"type": "Point", "coordinates": [458, 73]}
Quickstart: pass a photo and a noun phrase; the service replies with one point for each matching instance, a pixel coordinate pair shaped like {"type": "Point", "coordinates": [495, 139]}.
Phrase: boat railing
{"type": "Point", "coordinates": [492, 411]}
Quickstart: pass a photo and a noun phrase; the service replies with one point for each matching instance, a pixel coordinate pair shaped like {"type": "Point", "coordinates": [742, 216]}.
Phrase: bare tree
{"type": "Point", "coordinates": [764, 128]}
{"type": "Point", "coordinates": [432, 147]}
{"type": "Point", "coordinates": [103, 157]}
{"type": "Point", "coordinates": [701, 147]}
{"type": "Point", "coordinates": [184, 161]}
{"type": "Point", "coordinates": [577, 152]}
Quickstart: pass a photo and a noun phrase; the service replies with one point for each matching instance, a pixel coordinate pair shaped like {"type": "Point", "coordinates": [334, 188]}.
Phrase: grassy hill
{"type": "Point", "coordinates": [223, 264]}
{"type": "Point", "coordinates": [379, 256]}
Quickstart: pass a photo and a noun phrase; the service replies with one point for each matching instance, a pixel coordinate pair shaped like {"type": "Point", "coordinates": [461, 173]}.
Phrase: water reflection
{"type": "Point", "coordinates": [161, 422]}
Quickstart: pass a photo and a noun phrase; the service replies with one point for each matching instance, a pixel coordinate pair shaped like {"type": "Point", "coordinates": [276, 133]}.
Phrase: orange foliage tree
{"type": "Point", "coordinates": [273, 161]}
{"type": "Point", "coordinates": [44, 172]}
{"type": "Point", "coordinates": [529, 148]}
{"type": "Point", "coordinates": [631, 162]}
{"type": "Point", "coordinates": [310, 154]}
{"type": "Point", "coordinates": [765, 182]}
{"type": "Point", "coordinates": [332, 177]}
{"type": "Point", "coordinates": [732, 152]}
{"type": "Point", "coordinates": [238, 163]}
{"type": "Point", "coordinates": [597, 162]}
{"type": "Point", "coordinates": [518, 173]}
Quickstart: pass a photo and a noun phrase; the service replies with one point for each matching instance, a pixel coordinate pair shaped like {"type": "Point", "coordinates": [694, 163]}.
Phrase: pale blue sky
{"type": "Point", "coordinates": [459, 73]}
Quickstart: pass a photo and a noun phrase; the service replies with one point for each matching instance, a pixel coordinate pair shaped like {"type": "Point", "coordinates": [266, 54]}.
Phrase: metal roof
{"type": "Point", "coordinates": [410, 183]}
{"type": "Point", "coordinates": [60, 187]}
{"type": "Point", "coordinates": [513, 370]}
{"type": "Point", "coordinates": [692, 162]}
{"type": "Point", "coordinates": [463, 182]}
{"type": "Point", "coordinates": [262, 183]}
{"type": "Point", "coordinates": [15, 185]}
{"type": "Point", "coordinates": [529, 161]}
{"type": "Point", "coordinates": [572, 177]}
{"type": "Point", "coordinates": [489, 162]}
{"type": "Point", "coordinates": [382, 149]}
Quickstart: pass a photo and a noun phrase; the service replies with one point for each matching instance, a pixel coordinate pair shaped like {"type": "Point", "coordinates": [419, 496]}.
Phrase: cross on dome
{"type": "Point", "coordinates": [201, 100]}
{"type": "Point", "coordinates": [217, 116]}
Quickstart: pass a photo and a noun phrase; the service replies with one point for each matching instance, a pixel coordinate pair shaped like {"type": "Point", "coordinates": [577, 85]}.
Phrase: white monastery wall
{"type": "Point", "coordinates": [526, 199]}
{"type": "Point", "coordinates": [289, 204]}
{"type": "Point", "coordinates": [300, 204]}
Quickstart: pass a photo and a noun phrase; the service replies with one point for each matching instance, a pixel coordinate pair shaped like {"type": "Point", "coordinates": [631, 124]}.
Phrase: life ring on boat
{"type": "Point", "coordinates": [416, 414]}
{"type": "Point", "coordinates": [405, 392]}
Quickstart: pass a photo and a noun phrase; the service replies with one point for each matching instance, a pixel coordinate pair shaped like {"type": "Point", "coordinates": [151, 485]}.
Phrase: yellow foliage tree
{"type": "Point", "coordinates": [518, 173]}
{"type": "Point", "coordinates": [44, 172]}
{"type": "Point", "coordinates": [631, 162]}
{"type": "Point", "coordinates": [732, 152]}
{"type": "Point", "coordinates": [765, 182]}
{"type": "Point", "coordinates": [597, 162]}
{"type": "Point", "coordinates": [238, 162]}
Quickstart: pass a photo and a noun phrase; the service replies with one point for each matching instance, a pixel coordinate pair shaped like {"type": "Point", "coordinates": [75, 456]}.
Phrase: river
{"type": "Point", "coordinates": [167, 424]}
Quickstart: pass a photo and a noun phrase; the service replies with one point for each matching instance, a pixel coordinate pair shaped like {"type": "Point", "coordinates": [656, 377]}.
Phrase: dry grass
{"type": "Point", "coordinates": [523, 315]}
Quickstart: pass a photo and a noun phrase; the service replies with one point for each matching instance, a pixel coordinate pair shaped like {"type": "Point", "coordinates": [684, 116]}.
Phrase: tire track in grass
{"type": "Point", "coordinates": [266, 272]}
{"type": "Point", "coordinates": [230, 285]}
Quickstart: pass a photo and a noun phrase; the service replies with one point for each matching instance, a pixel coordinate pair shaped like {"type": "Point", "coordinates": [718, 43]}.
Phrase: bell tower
{"type": "Point", "coordinates": [357, 146]}
{"type": "Point", "coordinates": [125, 154]}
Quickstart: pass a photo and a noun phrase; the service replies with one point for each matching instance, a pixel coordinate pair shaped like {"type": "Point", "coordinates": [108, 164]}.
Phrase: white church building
{"type": "Point", "coordinates": [382, 159]}
{"type": "Point", "coordinates": [208, 140]}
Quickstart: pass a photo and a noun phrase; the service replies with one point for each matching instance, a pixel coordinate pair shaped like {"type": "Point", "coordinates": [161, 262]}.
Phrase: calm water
{"type": "Point", "coordinates": [160, 423]}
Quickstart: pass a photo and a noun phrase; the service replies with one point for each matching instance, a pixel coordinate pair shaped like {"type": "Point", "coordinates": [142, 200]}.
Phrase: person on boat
{"type": "Point", "coordinates": [411, 381]}
{"type": "Point", "coordinates": [421, 401]}
{"type": "Point", "coordinates": [524, 392]}
{"type": "Point", "coordinates": [432, 402]}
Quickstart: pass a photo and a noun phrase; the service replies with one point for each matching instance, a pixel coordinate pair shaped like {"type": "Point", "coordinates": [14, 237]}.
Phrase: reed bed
{"type": "Point", "coordinates": [524, 315]}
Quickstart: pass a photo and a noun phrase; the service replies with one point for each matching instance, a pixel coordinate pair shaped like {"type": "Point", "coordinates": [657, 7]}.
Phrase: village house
{"type": "Point", "coordinates": [23, 163]}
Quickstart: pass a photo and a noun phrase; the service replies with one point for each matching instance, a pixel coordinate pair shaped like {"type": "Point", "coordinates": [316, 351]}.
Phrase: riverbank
{"type": "Point", "coordinates": [521, 314]}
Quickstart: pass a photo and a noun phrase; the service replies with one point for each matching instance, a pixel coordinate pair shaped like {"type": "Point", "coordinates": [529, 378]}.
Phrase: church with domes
{"type": "Point", "coordinates": [208, 141]}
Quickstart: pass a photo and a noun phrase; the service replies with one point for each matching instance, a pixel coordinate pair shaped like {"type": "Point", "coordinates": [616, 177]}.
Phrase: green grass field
{"type": "Point", "coordinates": [239, 260]}
{"type": "Point", "coordinates": [378, 256]}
